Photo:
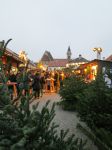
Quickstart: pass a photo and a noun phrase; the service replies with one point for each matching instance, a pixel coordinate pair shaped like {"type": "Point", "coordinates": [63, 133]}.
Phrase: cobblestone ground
{"type": "Point", "coordinates": [65, 119]}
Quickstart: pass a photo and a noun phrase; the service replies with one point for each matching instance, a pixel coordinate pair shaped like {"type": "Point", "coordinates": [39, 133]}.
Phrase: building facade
{"type": "Point", "coordinates": [57, 64]}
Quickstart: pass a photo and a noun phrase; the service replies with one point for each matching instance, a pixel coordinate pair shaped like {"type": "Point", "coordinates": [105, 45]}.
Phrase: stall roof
{"type": "Point", "coordinates": [14, 55]}
{"type": "Point", "coordinates": [92, 62]}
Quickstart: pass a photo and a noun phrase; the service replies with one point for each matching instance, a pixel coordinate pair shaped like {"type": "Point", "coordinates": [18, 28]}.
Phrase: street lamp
{"type": "Point", "coordinates": [98, 50]}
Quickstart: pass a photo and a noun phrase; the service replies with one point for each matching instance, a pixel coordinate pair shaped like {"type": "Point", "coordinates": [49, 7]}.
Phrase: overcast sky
{"type": "Point", "coordinates": [53, 25]}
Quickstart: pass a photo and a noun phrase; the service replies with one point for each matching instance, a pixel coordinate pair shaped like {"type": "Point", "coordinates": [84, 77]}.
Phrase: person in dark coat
{"type": "Point", "coordinates": [42, 83]}
{"type": "Point", "coordinates": [11, 78]}
{"type": "Point", "coordinates": [36, 85]}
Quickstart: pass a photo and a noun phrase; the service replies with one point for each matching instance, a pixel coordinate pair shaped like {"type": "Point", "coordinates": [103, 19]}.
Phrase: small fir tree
{"type": "Point", "coordinates": [72, 87]}
{"type": "Point", "coordinates": [95, 106]}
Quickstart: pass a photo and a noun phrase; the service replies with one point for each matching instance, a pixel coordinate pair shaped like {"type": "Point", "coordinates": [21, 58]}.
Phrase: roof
{"type": "Point", "coordinates": [47, 56]}
{"type": "Point", "coordinates": [14, 55]}
{"type": "Point", "coordinates": [79, 59]}
{"type": "Point", "coordinates": [69, 50]}
{"type": "Point", "coordinates": [58, 63]}
{"type": "Point", "coordinates": [32, 63]}
{"type": "Point", "coordinates": [92, 62]}
{"type": "Point", "coordinates": [109, 58]}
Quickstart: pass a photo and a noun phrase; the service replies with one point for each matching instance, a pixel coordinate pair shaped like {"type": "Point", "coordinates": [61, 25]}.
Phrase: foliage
{"type": "Point", "coordinates": [25, 128]}
{"type": "Point", "coordinates": [100, 137]}
{"type": "Point", "coordinates": [22, 128]}
{"type": "Point", "coordinates": [95, 105]}
{"type": "Point", "coordinates": [4, 94]}
{"type": "Point", "coordinates": [68, 70]}
{"type": "Point", "coordinates": [3, 46]}
{"type": "Point", "coordinates": [109, 73]}
{"type": "Point", "coordinates": [73, 86]}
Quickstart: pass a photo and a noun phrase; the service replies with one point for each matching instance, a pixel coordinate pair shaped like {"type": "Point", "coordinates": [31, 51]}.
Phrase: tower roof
{"type": "Point", "coordinates": [69, 53]}
{"type": "Point", "coordinates": [69, 50]}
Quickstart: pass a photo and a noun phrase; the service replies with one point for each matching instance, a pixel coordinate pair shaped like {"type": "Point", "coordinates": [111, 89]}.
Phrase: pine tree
{"type": "Point", "coordinates": [101, 138]}
{"type": "Point", "coordinates": [95, 106]}
{"type": "Point", "coordinates": [25, 129]}
{"type": "Point", "coordinates": [73, 86]}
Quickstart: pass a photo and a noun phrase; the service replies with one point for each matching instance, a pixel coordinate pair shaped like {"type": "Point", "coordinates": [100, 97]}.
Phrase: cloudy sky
{"type": "Point", "coordinates": [53, 25]}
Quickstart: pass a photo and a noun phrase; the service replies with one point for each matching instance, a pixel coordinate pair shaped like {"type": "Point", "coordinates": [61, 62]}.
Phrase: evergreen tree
{"type": "Point", "coordinates": [101, 137]}
{"type": "Point", "coordinates": [25, 128]}
{"type": "Point", "coordinates": [72, 87]}
{"type": "Point", "coordinates": [95, 106]}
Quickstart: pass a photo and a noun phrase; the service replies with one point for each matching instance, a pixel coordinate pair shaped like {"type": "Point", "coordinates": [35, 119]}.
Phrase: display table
{"type": "Point", "coordinates": [49, 85]}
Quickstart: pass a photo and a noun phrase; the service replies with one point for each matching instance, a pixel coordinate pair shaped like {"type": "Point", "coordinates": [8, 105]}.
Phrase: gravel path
{"type": "Point", "coordinates": [65, 119]}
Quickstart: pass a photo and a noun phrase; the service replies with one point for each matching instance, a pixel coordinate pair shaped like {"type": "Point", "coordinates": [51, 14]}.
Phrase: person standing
{"type": "Point", "coordinates": [42, 82]}
{"type": "Point", "coordinates": [56, 81]}
{"type": "Point", "coordinates": [36, 85]}
{"type": "Point", "coordinates": [11, 78]}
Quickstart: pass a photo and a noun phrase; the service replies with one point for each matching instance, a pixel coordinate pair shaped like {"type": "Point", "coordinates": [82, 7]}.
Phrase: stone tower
{"type": "Point", "coordinates": [69, 53]}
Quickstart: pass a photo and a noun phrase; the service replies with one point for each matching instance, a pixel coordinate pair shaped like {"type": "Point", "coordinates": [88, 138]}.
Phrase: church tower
{"type": "Point", "coordinates": [69, 53]}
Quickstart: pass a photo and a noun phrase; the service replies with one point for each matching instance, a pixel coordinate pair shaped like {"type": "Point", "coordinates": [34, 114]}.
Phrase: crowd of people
{"type": "Point", "coordinates": [35, 82]}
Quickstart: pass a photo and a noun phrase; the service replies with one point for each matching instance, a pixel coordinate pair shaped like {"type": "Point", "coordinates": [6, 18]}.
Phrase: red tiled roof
{"type": "Point", "coordinates": [58, 63]}
{"type": "Point", "coordinates": [109, 58]}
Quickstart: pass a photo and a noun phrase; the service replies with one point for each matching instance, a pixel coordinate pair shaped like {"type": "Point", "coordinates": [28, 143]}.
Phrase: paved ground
{"type": "Point", "coordinates": [65, 119]}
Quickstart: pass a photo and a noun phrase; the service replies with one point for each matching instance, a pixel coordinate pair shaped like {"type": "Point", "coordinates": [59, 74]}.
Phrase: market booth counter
{"type": "Point", "coordinates": [14, 88]}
